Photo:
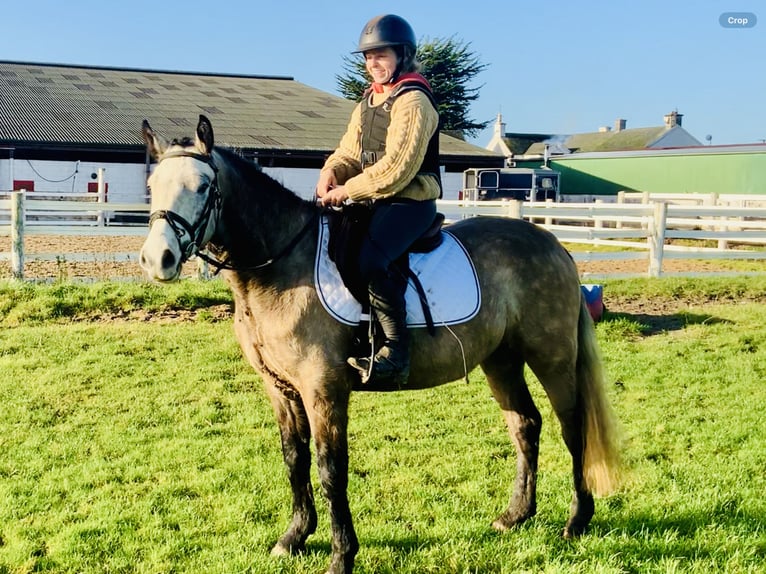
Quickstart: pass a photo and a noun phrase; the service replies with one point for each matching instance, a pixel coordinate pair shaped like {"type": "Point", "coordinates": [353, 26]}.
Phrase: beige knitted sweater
{"type": "Point", "coordinates": [413, 121]}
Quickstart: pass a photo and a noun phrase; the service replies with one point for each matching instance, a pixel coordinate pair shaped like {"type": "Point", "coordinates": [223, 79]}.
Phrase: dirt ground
{"type": "Point", "coordinates": [102, 266]}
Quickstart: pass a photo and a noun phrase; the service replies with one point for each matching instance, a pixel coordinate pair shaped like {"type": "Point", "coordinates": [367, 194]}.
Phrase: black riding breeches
{"type": "Point", "coordinates": [394, 227]}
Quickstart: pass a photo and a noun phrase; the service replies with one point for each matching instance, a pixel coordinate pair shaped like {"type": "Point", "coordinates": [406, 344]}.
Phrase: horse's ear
{"type": "Point", "coordinates": [205, 135]}
{"type": "Point", "coordinates": [156, 144]}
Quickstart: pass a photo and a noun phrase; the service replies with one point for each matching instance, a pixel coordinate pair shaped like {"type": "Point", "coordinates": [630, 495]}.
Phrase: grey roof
{"type": "Point", "coordinates": [92, 107]}
{"type": "Point", "coordinates": [618, 140]}
{"type": "Point", "coordinates": [627, 139]}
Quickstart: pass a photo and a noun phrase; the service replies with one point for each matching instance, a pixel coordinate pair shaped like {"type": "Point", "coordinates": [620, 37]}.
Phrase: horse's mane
{"type": "Point", "coordinates": [242, 164]}
{"type": "Point", "coordinates": [253, 175]}
{"type": "Point", "coordinates": [183, 142]}
{"type": "Point", "coordinates": [257, 203]}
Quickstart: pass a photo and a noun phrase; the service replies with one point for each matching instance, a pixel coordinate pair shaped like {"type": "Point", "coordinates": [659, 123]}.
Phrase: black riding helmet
{"type": "Point", "coordinates": [386, 30]}
{"type": "Point", "coordinates": [391, 31]}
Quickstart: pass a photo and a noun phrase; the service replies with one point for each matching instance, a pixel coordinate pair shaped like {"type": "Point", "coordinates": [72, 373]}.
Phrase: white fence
{"type": "Point", "coordinates": [23, 215]}
{"type": "Point", "coordinates": [670, 226]}
{"type": "Point", "coordinates": [659, 228]}
{"type": "Point", "coordinates": [725, 199]}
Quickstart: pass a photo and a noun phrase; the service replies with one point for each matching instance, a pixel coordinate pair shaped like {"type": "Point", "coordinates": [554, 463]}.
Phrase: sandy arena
{"type": "Point", "coordinates": [100, 267]}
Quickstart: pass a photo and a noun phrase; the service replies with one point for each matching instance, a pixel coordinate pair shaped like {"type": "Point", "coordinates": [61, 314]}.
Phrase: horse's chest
{"type": "Point", "coordinates": [265, 339]}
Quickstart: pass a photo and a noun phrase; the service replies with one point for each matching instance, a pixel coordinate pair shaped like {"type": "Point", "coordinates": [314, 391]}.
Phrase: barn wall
{"type": "Point", "coordinates": [725, 172]}
{"type": "Point", "coordinates": [126, 181]}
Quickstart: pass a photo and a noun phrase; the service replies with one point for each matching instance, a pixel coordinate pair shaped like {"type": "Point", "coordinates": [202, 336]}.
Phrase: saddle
{"type": "Point", "coordinates": [348, 228]}
{"type": "Point", "coordinates": [431, 238]}
{"type": "Point", "coordinates": [447, 275]}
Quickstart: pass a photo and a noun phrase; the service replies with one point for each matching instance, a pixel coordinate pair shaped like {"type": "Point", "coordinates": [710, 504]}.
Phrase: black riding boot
{"type": "Point", "coordinates": [391, 364]}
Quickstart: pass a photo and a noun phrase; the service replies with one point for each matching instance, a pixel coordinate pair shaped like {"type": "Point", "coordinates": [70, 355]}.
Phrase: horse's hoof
{"type": "Point", "coordinates": [279, 550]}
{"type": "Point", "coordinates": [572, 531]}
{"type": "Point", "coordinates": [507, 520]}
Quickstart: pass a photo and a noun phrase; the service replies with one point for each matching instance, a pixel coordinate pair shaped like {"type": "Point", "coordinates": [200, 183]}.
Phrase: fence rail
{"type": "Point", "coordinates": [657, 228]}
{"type": "Point", "coordinates": [22, 215]}
{"type": "Point", "coordinates": [734, 199]}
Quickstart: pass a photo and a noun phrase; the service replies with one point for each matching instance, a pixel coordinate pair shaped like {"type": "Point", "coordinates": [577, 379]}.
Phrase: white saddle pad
{"type": "Point", "coordinates": [447, 275]}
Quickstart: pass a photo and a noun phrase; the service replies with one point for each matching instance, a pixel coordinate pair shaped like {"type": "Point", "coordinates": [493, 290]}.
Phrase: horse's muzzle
{"type": "Point", "coordinates": [159, 262]}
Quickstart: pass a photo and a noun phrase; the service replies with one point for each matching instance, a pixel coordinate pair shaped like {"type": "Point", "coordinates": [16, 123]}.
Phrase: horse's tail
{"type": "Point", "coordinates": [601, 457]}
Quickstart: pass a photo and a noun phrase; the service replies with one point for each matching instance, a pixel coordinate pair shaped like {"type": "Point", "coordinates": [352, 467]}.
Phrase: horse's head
{"type": "Point", "coordinates": [185, 200]}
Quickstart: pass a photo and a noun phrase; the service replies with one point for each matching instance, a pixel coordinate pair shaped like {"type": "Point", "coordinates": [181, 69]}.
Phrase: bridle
{"type": "Point", "coordinates": [211, 210]}
{"type": "Point", "coordinates": [180, 226]}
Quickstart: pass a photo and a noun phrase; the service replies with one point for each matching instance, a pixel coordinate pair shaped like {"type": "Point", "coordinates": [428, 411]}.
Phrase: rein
{"type": "Point", "coordinates": [226, 264]}
{"type": "Point", "coordinates": [196, 232]}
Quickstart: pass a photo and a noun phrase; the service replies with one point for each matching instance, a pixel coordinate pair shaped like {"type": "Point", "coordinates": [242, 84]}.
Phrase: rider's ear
{"type": "Point", "coordinates": [155, 143]}
{"type": "Point", "coordinates": [205, 135]}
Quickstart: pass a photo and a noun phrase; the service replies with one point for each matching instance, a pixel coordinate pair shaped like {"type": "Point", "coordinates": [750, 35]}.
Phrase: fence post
{"type": "Point", "coordinates": [598, 223]}
{"type": "Point", "coordinates": [645, 199]}
{"type": "Point", "coordinates": [101, 196]}
{"type": "Point", "coordinates": [548, 218]}
{"type": "Point", "coordinates": [203, 269]}
{"type": "Point", "coordinates": [620, 199]}
{"type": "Point", "coordinates": [656, 238]}
{"type": "Point", "coordinates": [17, 233]}
{"type": "Point", "coordinates": [514, 209]}
{"type": "Point", "coordinates": [712, 201]}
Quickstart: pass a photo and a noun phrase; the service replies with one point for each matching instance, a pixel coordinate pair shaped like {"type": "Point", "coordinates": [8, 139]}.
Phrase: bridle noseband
{"type": "Point", "coordinates": [180, 226]}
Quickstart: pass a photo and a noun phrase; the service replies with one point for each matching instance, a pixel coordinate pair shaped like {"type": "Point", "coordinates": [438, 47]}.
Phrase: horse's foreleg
{"type": "Point", "coordinates": [296, 450]}
{"type": "Point", "coordinates": [330, 425]}
{"type": "Point", "coordinates": [506, 380]}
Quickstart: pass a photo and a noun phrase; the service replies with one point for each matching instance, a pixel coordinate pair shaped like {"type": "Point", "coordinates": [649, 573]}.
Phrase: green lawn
{"type": "Point", "coordinates": [135, 446]}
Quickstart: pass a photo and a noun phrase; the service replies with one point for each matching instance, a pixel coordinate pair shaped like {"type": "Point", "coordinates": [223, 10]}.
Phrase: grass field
{"type": "Point", "coordinates": [130, 443]}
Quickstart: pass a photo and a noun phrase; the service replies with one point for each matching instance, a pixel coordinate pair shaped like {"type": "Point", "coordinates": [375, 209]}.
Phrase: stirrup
{"type": "Point", "coordinates": [363, 365]}
{"type": "Point", "coordinates": [392, 375]}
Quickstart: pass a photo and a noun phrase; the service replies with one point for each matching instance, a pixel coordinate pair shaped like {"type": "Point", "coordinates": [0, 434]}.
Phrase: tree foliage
{"type": "Point", "coordinates": [449, 66]}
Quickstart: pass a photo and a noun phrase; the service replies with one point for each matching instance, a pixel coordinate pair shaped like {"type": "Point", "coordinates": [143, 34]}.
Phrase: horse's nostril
{"type": "Point", "coordinates": [168, 259]}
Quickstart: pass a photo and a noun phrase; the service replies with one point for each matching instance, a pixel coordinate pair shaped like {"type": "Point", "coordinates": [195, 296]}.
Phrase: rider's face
{"type": "Point", "coordinates": [381, 64]}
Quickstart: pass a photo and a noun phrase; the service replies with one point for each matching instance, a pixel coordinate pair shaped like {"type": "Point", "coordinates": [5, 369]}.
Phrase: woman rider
{"type": "Point", "coordinates": [388, 157]}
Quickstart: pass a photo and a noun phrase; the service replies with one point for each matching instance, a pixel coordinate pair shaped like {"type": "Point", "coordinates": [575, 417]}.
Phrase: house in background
{"type": "Point", "coordinates": [534, 146]}
{"type": "Point", "coordinates": [659, 159]}
{"type": "Point", "coordinates": [59, 124]}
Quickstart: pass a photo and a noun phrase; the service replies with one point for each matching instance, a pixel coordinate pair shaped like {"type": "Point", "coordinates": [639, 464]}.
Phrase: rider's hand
{"type": "Point", "coordinates": [327, 181]}
{"type": "Point", "coordinates": [335, 197]}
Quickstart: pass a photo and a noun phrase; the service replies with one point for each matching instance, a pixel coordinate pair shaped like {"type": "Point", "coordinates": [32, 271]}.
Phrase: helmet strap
{"type": "Point", "coordinates": [399, 51]}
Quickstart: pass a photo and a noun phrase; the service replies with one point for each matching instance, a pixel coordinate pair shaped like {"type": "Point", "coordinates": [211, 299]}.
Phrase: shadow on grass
{"type": "Point", "coordinates": [710, 534]}
{"type": "Point", "coordinates": [640, 540]}
{"type": "Point", "coordinates": [653, 324]}
{"type": "Point", "coordinates": [407, 544]}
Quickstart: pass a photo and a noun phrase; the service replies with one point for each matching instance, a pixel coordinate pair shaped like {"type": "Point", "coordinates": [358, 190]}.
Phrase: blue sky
{"type": "Point", "coordinates": [554, 67]}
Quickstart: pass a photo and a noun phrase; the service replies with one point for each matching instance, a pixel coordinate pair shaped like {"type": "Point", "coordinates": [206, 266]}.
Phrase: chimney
{"type": "Point", "coordinates": [499, 126]}
{"type": "Point", "coordinates": [619, 124]}
{"type": "Point", "coordinates": [673, 119]}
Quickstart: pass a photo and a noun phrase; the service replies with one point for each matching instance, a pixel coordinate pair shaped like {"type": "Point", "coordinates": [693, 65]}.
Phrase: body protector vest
{"type": "Point", "coordinates": [375, 122]}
